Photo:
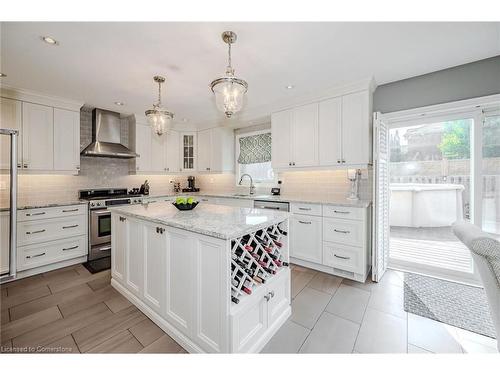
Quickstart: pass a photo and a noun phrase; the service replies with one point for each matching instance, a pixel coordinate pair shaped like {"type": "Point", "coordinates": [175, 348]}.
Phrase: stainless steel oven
{"type": "Point", "coordinates": [100, 233]}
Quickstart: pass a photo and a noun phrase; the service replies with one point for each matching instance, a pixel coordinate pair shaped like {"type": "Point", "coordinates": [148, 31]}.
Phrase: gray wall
{"type": "Point", "coordinates": [476, 79]}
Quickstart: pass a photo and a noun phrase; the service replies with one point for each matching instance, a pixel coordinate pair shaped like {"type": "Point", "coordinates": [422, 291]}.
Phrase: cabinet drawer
{"type": "Point", "coordinates": [37, 255]}
{"type": "Point", "coordinates": [352, 213]}
{"type": "Point", "coordinates": [37, 231]}
{"type": "Point", "coordinates": [306, 209]}
{"type": "Point", "coordinates": [51, 212]}
{"type": "Point", "coordinates": [347, 258]}
{"type": "Point", "coordinates": [343, 231]}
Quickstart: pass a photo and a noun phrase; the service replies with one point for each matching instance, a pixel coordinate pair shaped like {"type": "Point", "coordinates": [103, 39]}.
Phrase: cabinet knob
{"type": "Point", "coordinates": [122, 218]}
{"type": "Point", "coordinates": [25, 166]}
{"type": "Point", "coordinates": [19, 165]}
{"type": "Point", "coordinates": [271, 293]}
{"type": "Point", "coordinates": [267, 298]}
{"type": "Point", "coordinates": [289, 163]}
{"type": "Point", "coordinates": [338, 161]}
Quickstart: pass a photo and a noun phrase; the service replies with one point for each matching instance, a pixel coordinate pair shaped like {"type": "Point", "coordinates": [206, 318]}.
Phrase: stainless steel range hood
{"type": "Point", "coordinates": [106, 136]}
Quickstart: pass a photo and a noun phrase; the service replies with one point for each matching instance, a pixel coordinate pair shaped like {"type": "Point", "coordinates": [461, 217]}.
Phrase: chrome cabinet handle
{"type": "Point", "coordinates": [341, 231]}
{"type": "Point", "coordinates": [305, 222]}
{"type": "Point", "coordinates": [70, 226]}
{"type": "Point", "coordinates": [70, 248]}
{"type": "Point", "coordinates": [106, 248]}
{"type": "Point", "coordinates": [271, 293]}
{"type": "Point", "coordinates": [19, 165]}
{"type": "Point", "coordinates": [305, 208]}
{"type": "Point", "coordinates": [341, 212]}
{"type": "Point", "coordinates": [122, 218]}
{"type": "Point", "coordinates": [160, 230]}
{"type": "Point", "coordinates": [267, 298]}
{"type": "Point", "coordinates": [35, 256]}
{"type": "Point", "coordinates": [36, 214]}
{"type": "Point", "coordinates": [36, 231]}
{"type": "Point", "coordinates": [338, 161]}
{"type": "Point", "coordinates": [73, 210]}
{"type": "Point", "coordinates": [25, 166]}
{"type": "Point", "coordinates": [341, 257]}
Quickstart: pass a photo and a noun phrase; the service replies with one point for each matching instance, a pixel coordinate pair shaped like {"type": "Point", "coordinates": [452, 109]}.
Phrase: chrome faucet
{"type": "Point", "coordinates": [252, 187]}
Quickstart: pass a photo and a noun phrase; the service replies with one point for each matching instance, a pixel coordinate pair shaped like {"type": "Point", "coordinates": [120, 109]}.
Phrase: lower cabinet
{"type": "Point", "coordinates": [305, 238]}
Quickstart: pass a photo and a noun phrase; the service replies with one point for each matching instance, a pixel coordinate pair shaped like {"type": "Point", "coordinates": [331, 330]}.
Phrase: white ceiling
{"type": "Point", "coordinates": [100, 63]}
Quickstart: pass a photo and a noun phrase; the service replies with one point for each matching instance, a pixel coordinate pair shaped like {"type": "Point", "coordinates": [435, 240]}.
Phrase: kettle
{"type": "Point", "coordinates": [144, 190]}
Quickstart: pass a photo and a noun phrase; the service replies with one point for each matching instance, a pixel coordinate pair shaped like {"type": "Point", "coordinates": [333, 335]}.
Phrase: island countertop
{"type": "Point", "coordinates": [224, 222]}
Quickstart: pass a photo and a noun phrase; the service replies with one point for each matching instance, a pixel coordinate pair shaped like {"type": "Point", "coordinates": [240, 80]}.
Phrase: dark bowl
{"type": "Point", "coordinates": [185, 206]}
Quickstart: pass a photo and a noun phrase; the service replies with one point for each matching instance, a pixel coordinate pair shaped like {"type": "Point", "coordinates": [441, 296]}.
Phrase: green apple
{"type": "Point", "coordinates": [180, 200]}
{"type": "Point", "coordinates": [190, 200]}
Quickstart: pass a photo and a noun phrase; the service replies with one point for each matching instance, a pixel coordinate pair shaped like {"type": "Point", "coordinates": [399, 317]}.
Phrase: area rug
{"type": "Point", "coordinates": [455, 304]}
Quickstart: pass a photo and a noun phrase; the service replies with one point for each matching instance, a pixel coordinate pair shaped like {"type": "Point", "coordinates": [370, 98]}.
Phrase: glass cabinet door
{"type": "Point", "coordinates": [188, 151]}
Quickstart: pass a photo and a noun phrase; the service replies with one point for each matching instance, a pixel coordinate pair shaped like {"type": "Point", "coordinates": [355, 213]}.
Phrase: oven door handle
{"type": "Point", "coordinates": [100, 212]}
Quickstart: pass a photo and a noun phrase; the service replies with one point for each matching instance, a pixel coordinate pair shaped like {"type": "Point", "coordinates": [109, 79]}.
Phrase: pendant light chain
{"type": "Point", "coordinates": [159, 94]}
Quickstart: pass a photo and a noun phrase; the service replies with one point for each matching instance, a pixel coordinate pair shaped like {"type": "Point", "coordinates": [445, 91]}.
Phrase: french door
{"type": "Point", "coordinates": [430, 171]}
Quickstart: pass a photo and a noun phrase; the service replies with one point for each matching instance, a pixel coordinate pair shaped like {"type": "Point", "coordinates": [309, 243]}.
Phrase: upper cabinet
{"type": "Point", "coordinates": [173, 152]}
{"type": "Point", "coordinates": [295, 137]}
{"type": "Point", "coordinates": [333, 132]}
{"type": "Point", "coordinates": [66, 140]}
{"type": "Point", "coordinates": [216, 150]}
{"type": "Point", "coordinates": [140, 141]}
{"type": "Point", "coordinates": [188, 151]}
{"type": "Point", "coordinates": [49, 137]}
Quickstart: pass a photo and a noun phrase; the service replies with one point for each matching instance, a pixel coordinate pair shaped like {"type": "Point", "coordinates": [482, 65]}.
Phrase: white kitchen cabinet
{"type": "Point", "coordinates": [306, 237]}
{"type": "Point", "coordinates": [134, 257]}
{"type": "Point", "coordinates": [356, 129]}
{"type": "Point", "coordinates": [10, 118]}
{"type": "Point", "coordinates": [294, 136]}
{"type": "Point", "coordinates": [119, 227]}
{"type": "Point", "coordinates": [173, 149]}
{"type": "Point", "coordinates": [142, 141]}
{"type": "Point", "coordinates": [38, 137]}
{"type": "Point", "coordinates": [155, 248]}
{"type": "Point", "coordinates": [281, 138]}
{"type": "Point", "coordinates": [188, 152]}
{"type": "Point", "coordinates": [215, 150]}
{"type": "Point", "coordinates": [4, 242]}
{"type": "Point", "coordinates": [204, 150]}
{"type": "Point", "coordinates": [330, 132]}
{"type": "Point", "coordinates": [158, 152]}
{"type": "Point", "coordinates": [66, 140]}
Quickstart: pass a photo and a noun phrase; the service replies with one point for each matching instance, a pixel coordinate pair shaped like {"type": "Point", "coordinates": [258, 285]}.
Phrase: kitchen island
{"type": "Point", "coordinates": [216, 278]}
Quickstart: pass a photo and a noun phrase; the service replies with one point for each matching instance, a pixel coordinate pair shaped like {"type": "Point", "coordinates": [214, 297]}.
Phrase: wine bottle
{"type": "Point", "coordinates": [235, 300]}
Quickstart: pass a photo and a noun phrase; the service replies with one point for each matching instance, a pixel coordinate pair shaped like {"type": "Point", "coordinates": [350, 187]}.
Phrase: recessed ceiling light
{"type": "Point", "coordinates": [50, 40]}
{"type": "Point", "coordinates": [119, 103]}
{"type": "Point", "coordinates": [3, 75]}
{"type": "Point", "coordinates": [289, 87]}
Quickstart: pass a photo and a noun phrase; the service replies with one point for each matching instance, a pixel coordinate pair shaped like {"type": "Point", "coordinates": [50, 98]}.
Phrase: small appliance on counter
{"type": "Point", "coordinates": [177, 187]}
{"type": "Point", "coordinates": [191, 186]}
{"type": "Point", "coordinates": [144, 190]}
{"type": "Point", "coordinates": [276, 190]}
{"type": "Point", "coordinates": [354, 175]}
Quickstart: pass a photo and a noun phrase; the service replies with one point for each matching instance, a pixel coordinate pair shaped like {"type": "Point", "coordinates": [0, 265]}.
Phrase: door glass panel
{"type": "Point", "coordinates": [491, 175]}
{"type": "Point", "coordinates": [430, 189]}
{"type": "Point", "coordinates": [104, 226]}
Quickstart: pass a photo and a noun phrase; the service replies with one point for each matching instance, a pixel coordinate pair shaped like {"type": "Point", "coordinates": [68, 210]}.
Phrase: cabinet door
{"type": "Point", "coordinates": [4, 242]}
{"type": "Point", "coordinates": [38, 137]}
{"type": "Point", "coordinates": [356, 145]}
{"type": "Point", "coordinates": [180, 281]}
{"type": "Point", "coordinates": [10, 118]}
{"type": "Point", "coordinates": [281, 139]}
{"type": "Point", "coordinates": [158, 152]}
{"type": "Point", "coordinates": [188, 152]}
{"type": "Point", "coordinates": [119, 247]}
{"type": "Point", "coordinates": [154, 267]}
{"type": "Point", "coordinates": [279, 293]}
{"type": "Point", "coordinates": [305, 241]}
{"type": "Point", "coordinates": [134, 257]}
{"type": "Point", "coordinates": [305, 136]}
{"type": "Point", "coordinates": [66, 140]}
{"type": "Point", "coordinates": [205, 150]}
{"type": "Point", "coordinates": [330, 134]}
{"type": "Point", "coordinates": [143, 148]}
{"type": "Point", "coordinates": [173, 164]}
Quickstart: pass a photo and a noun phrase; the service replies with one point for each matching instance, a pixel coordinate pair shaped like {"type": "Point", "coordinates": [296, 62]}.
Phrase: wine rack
{"type": "Point", "coordinates": [255, 258]}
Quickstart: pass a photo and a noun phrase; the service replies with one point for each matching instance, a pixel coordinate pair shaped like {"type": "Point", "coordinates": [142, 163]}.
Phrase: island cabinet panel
{"type": "Point", "coordinates": [180, 280]}
{"type": "Point", "coordinates": [119, 227]}
{"type": "Point", "coordinates": [134, 257]}
{"type": "Point", "coordinates": [211, 295]}
{"type": "Point", "coordinates": [155, 248]}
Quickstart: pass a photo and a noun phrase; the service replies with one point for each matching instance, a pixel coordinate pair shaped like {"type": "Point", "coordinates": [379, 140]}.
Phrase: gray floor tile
{"type": "Point", "coordinates": [349, 303]}
{"type": "Point", "coordinates": [325, 282]}
{"type": "Point", "coordinates": [288, 339]}
{"type": "Point", "coordinates": [432, 336]}
{"type": "Point", "coordinates": [381, 333]}
{"type": "Point", "coordinates": [389, 299]}
{"type": "Point", "coordinates": [308, 306]}
{"type": "Point", "coordinates": [331, 334]}
{"type": "Point", "coordinates": [412, 349]}
{"type": "Point", "coordinates": [300, 279]}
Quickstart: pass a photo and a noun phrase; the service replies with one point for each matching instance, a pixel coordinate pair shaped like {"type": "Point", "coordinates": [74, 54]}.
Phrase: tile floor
{"type": "Point", "coordinates": [70, 310]}
{"type": "Point", "coordinates": [335, 315]}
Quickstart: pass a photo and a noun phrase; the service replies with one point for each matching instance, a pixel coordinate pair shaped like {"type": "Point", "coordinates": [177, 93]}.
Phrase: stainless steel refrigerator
{"type": "Point", "coordinates": [8, 218]}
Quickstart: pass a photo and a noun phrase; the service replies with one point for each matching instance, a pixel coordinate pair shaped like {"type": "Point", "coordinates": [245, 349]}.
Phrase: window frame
{"type": "Point", "coordinates": [266, 183]}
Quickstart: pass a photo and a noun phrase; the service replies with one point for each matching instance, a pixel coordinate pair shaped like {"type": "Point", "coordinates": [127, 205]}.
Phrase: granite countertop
{"type": "Point", "coordinates": [27, 206]}
{"type": "Point", "coordinates": [322, 199]}
{"type": "Point", "coordinates": [224, 222]}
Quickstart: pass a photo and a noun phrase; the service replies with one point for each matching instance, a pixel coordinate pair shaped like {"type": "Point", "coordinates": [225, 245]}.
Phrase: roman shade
{"type": "Point", "coordinates": [255, 149]}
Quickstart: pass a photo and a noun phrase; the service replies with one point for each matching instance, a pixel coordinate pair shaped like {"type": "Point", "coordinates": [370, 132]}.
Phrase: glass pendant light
{"type": "Point", "coordinates": [159, 118]}
{"type": "Point", "coordinates": [229, 91]}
